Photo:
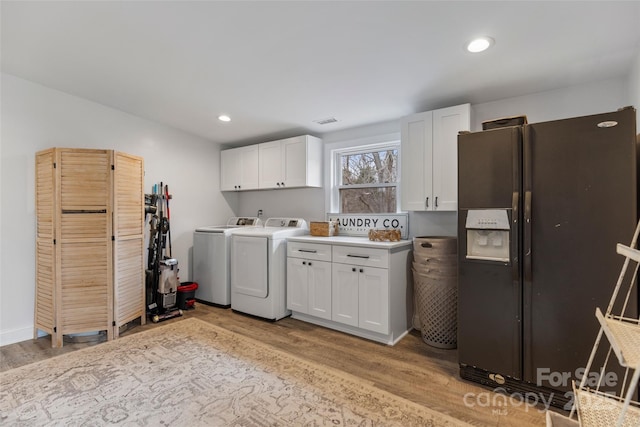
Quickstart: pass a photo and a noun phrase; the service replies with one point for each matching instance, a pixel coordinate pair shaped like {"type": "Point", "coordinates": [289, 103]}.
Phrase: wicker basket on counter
{"type": "Point", "coordinates": [323, 228]}
{"type": "Point", "coordinates": [384, 235]}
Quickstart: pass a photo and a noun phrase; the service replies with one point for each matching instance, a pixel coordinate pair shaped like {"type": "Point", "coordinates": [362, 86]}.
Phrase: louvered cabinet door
{"type": "Point", "coordinates": [44, 317]}
{"type": "Point", "coordinates": [84, 254]}
{"type": "Point", "coordinates": [128, 223]}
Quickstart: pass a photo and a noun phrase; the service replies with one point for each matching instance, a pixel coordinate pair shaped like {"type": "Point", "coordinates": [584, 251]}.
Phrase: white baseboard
{"type": "Point", "coordinates": [18, 335]}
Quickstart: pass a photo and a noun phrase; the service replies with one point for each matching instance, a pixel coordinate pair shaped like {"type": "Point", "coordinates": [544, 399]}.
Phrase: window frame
{"type": "Point", "coordinates": [334, 171]}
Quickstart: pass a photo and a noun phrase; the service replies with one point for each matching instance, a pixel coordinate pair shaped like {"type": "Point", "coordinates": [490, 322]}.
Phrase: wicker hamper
{"type": "Point", "coordinates": [435, 277]}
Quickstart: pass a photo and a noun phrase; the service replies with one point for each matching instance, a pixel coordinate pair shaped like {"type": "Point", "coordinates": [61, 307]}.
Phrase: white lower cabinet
{"type": "Point", "coordinates": [344, 302]}
{"type": "Point", "coordinates": [309, 279]}
{"type": "Point", "coordinates": [361, 297]}
{"type": "Point", "coordinates": [349, 288]}
{"type": "Point", "coordinates": [309, 289]}
{"type": "Point", "coordinates": [373, 299]}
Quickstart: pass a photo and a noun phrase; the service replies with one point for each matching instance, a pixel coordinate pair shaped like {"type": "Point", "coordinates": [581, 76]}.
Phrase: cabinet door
{"type": "Point", "coordinates": [344, 294]}
{"type": "Point", "coordinates": [239, 169]}
{"type": "Point", "coordinates": [297, 285]}
{"type": "Point", "coordinates": [270, 164]}
{"type": "Point", "coordinates": [249, 166]}
{"type": "Point", "coordinates": [373, 310]}
{"type": "Point", "coordinates": [294, 159]}
{"type": "Point", "coordinates": [416, 162]}
{"type": "Point", "coordinates": [447, 122]}
{"type": "Point", "coordinates": [230, 169]}
{"type": "Point", "coordinates": [319, 289]}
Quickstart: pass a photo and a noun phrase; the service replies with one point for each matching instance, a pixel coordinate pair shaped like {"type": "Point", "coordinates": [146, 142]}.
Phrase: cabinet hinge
{"type": "Point", "coordinates": [113, 238]}
{"type": "Point", "coordinates": [54, 241]}
{"type": "Point", "coordinates": [113, 167]}
{"type": "Point", "coordinates": [55, 329]}
{"type": "Point", "coordinates": [113, 323]}
{"type": "Point", "coordinates": [54, 165]}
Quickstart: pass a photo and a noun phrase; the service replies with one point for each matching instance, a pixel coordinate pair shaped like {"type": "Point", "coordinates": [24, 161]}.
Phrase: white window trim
{"type": "Point", "coordinates": [332, 198]}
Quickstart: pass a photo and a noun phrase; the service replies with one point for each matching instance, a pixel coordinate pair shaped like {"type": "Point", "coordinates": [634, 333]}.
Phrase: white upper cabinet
{"type": "Point", "coordinates": [429, 156]}
{"type": "Point", "coordinates": [286, 163]}
{"type": "Point", "coordinates": [239, 169]}
{"type": "Point", "coordinates": [292, 162]}
{"type": "Point", "coordinates": [415, 156]}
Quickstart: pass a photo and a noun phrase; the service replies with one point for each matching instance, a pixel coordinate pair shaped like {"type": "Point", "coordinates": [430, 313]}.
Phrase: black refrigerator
{"type": "Point", "coordinates": [541, 208]}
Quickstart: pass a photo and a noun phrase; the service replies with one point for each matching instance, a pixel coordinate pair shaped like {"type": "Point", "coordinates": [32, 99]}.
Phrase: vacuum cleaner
{"type": "Point", "coordinates": [162, 270]}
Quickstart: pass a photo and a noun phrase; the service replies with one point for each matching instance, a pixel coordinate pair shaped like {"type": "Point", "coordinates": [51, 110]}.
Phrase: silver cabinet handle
{"type": "Point", "coordinates": [310, 251]}
{"type": "Point", "coordinates": [358, 256]}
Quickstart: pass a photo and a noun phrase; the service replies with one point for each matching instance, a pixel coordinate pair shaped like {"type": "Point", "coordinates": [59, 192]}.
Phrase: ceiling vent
{"type": "Point", "coordinates": [326, 121]}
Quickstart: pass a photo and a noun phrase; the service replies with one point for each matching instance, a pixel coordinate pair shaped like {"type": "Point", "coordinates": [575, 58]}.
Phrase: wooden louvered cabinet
{"type": "Point", "coordinates": [89, 242]}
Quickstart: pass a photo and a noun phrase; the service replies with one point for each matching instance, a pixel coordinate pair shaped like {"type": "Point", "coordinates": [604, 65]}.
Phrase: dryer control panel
{"type": "Point", "coordinates": [286, 222]}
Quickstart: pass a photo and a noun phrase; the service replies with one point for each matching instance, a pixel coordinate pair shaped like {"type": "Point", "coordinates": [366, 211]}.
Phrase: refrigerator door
{"type": "Point", "coordinates": [580, 200]}
{"type": "Point", "coordinates": [489, 286]}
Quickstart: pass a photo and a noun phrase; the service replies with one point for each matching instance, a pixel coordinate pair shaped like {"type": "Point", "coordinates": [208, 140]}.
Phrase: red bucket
{"type": "Point", "coordinates": [186, 297]}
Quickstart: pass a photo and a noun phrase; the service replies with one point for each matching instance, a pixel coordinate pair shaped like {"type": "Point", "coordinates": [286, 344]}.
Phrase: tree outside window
{"type": "Point", "coordinates": [369, 180]}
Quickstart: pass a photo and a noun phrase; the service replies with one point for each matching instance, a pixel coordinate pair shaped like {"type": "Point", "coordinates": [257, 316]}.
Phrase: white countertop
{"type": "Point", "coordinates": [351, 241]}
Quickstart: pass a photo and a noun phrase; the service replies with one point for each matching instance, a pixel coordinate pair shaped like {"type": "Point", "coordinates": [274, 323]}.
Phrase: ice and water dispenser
{"type": "Point", "coordinates": [488, 235]}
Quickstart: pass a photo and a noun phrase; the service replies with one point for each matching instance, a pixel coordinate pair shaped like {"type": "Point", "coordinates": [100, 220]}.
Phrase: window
{"type": "Point", "coordinates": [366, 178]}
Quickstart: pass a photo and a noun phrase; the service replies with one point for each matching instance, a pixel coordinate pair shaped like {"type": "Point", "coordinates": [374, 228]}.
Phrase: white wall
{"type": "Point", "coordinates": [593, 98]}
{"type": "Point", "coordinates": [634, 88]}
{"type": "Point", "coordinates": [307, 203]}
{"type": "Point", "coordinates": [573, 101]}
{"type": "Point", "coordinates": [34, 118]}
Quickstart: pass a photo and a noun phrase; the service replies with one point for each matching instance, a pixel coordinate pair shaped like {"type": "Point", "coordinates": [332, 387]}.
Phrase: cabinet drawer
{"type": "Point", "coordinates": [314, 251]}
{"type": "Point", "coordinates": [361, 256]}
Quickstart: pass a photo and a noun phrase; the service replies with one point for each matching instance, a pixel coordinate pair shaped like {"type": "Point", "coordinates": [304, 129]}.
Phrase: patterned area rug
{"type": "Point", "coordinates": [192, 373]}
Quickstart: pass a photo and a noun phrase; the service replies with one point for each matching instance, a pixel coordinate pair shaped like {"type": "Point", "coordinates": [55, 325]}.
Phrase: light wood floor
{"type": "Point", "coordinates": [411, 368]}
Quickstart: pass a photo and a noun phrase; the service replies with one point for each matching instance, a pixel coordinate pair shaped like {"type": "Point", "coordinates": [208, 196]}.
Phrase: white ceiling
{"type": "Point", "coordinates": [275, 67]}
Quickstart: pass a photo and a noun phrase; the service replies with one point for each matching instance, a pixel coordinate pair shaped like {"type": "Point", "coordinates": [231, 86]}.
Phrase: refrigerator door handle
{"type": "Point", "coordinates": [527, 237]}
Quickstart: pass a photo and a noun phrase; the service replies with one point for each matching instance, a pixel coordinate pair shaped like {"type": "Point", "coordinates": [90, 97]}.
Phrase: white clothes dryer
{"type": "Point", "coordinates": [211, 247]}
{"type": "Point", "coordinates": [258, 267]}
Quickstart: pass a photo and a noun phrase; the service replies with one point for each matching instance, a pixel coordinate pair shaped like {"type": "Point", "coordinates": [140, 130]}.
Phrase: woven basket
{"type": "Point", "coordinates": [384, 235]}
{"type": "Point", "coordinates": [436, 270]}
{"type": "Point", "coordinates": [323, 228]}
{"type": "Point", "coordinates": [440, 245]}
{"type": "Point", "coordinates": [437, 302]}
{"type": "Point", "coordinates": [435, 278]}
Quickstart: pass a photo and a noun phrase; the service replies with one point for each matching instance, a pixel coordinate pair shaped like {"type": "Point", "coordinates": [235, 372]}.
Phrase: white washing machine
{"type": "Point", "coordinates": [211, 247]}
{"type": "Point", "coordinates": [258, 267]}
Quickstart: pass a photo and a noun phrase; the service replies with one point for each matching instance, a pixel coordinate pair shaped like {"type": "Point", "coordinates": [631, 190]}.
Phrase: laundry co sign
{"type": "Point", "coordinates": [360, 224]}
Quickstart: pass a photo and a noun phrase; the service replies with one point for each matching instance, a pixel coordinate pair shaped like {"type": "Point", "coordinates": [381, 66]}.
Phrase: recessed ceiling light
{"type": "Point", "coordinates": [479, 44]}
{"type": "Point", "coordinates": [224, 118]}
